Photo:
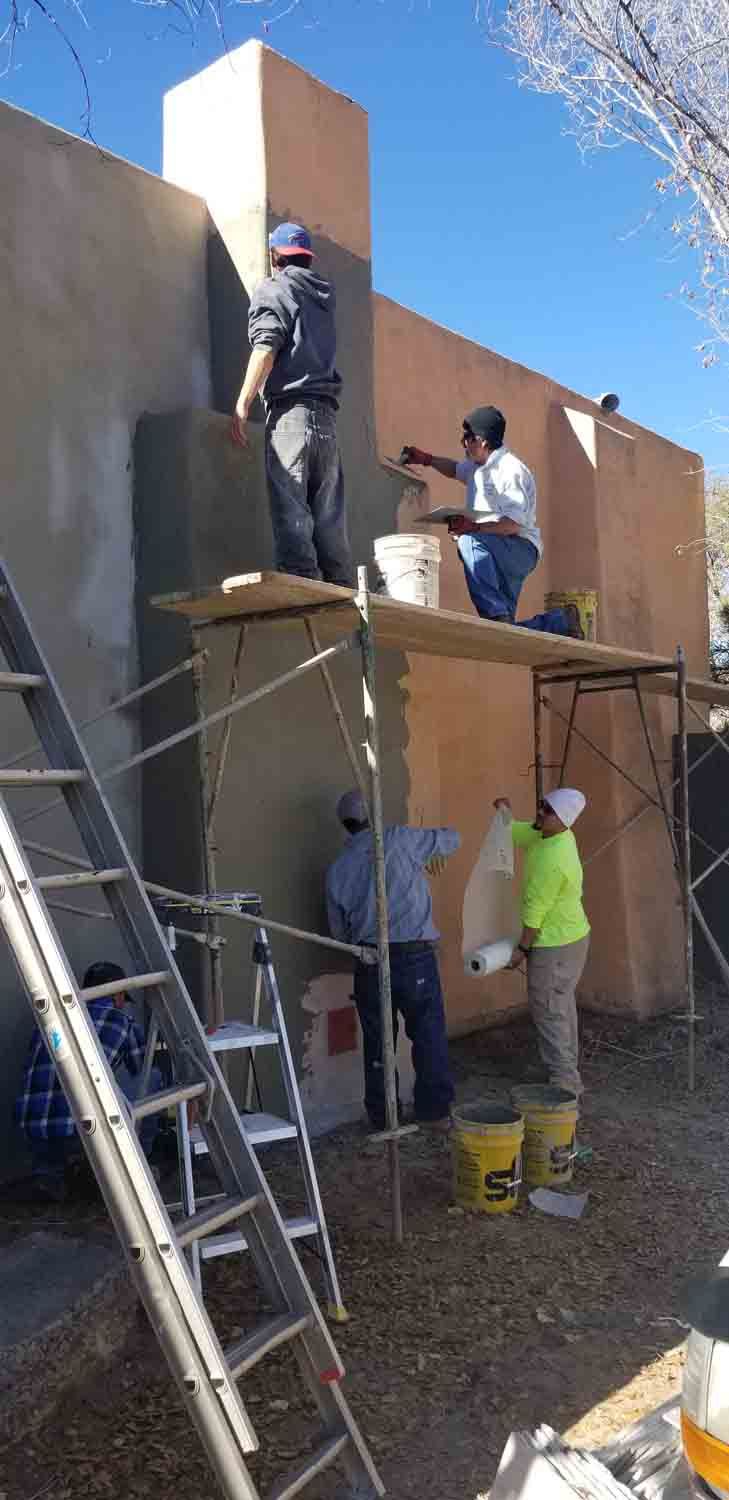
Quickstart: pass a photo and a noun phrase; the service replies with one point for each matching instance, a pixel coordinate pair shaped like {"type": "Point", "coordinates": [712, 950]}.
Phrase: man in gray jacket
{"type": "Point", "coordinates": [293, 347]}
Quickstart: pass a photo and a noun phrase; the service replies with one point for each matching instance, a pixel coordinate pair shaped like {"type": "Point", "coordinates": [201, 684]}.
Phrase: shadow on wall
{"type": "Point", "coordinates": [228, 304]}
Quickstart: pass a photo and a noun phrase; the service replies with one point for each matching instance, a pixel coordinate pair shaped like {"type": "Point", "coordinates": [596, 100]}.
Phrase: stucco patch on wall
{"type": "Point", "coordinates": [331, 1082]}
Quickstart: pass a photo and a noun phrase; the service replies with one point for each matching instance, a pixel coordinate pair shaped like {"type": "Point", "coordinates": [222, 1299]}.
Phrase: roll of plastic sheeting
{"type": "Point", "coordinates": [489, 959]}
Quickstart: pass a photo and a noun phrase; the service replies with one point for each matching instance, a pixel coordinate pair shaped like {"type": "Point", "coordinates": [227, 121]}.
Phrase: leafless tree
{"type": "Point", "coordinates": [655, 73]}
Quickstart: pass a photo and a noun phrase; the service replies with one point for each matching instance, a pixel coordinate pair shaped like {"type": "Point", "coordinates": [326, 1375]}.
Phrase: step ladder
{"type": "Point", "coordinates": [154, 1248]}
{"type": "Point", "coordinates": [262, 1129]}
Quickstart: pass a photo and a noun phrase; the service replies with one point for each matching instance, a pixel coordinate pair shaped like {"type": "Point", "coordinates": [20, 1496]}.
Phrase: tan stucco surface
{"type": "Point", "coordinates": [614, 501]}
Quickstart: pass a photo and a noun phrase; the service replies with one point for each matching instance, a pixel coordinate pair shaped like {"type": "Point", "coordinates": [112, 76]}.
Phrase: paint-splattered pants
{"type": "Point", "coordinates": [553, 975]}
{"type": "Point", "coordinates": [306, 492]}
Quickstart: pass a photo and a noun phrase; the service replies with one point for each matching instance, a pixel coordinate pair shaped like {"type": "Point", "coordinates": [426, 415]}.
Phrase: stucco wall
{"type": "Point", "coordinates": [614, 500]}
{"type": "Point", "coordinates": [104, 315]}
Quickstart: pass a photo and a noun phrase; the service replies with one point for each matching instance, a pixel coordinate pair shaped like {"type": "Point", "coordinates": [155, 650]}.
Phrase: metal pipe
{"type": "Point", "coordinates": [212, 988]}
{"type": "Point", "coordinates": [70, 882]}
{"type": "Point", "coordinates": [685, 847]}
{"type": "Point", "coordinates": [720, 858]}
{"type": "Point", "coordinates": [598, 676]}
{"type": "Point", "coordinates": [225, 738]}
{"type": "Point", "coordinates": [119, 703]}
{"type": "Point", "coordinates": [667, 816]}
{"type": "Point", "coordinates": [636, 817]}
{"type": "Point", "coordinates": [332, 695]}
{"type": "Point", "coordinates": [199, 904]}
{"type": "Point", "coordinates": [538, 758]}
{"type": "Point", "coordinates": [576, 692]}
{"type": "Point", "coordinates": [369, 690]}
{"type": "Point", "coordinates": [57, 854]}
{"type": "Point", "coordinates": [216, 718]}
{"type": "Point", "coordinates": [80, 911]}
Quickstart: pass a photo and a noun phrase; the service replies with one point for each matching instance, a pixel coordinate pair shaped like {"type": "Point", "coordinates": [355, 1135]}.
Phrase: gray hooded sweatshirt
{"type": "Point", "coordinates": [292, 313]}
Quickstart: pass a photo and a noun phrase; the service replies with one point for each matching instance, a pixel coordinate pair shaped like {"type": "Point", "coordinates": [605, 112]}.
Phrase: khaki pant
{"type": "Point", "coordinates": [552, 978]}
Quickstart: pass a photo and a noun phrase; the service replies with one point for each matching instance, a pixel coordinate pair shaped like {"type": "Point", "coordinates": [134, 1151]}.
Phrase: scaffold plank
{"type": "Point", "coordinates": [430, 632]}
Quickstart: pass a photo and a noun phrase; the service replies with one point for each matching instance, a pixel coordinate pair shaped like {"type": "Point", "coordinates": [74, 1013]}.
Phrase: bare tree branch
{"type": "Point", "coordinates": [655, 73]}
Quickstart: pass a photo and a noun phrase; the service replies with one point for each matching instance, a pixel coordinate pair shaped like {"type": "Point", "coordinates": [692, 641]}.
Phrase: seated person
{"type": "Point", "coordinates": [41, 1108]}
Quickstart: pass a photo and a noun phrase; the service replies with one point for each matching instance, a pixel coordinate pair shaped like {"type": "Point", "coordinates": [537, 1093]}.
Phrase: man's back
{"type": "Point", "coordinates": [293, 313]}
{"type": "Point", "coordinates": [350, 886]}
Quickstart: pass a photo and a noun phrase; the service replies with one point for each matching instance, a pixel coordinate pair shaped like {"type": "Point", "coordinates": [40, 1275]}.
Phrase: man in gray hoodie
{"type": "Point", "coordinates": [293, 347]}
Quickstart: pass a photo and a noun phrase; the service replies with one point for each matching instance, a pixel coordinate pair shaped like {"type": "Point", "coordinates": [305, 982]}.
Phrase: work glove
{"type": "Point", "coordinates": [411, 455]}
{"type": "Point", "coordinates": [436, 864]}
{"type": "Point", "coordinates": [461, 525]}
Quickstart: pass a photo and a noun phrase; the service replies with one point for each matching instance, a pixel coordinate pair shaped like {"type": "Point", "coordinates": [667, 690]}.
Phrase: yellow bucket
{"type": "Point", "coordinates": [550, 1120]}
{"type": "Point", "coordinates": [586, 601]}
{"type": "Point", "coordinates": [487, 1143]}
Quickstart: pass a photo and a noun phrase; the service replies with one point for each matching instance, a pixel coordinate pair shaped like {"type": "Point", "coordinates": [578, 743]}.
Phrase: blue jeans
{"type": "Point", "coordinates": [306, 492]}
{"type": "Point", "coordinates": [416, 992]}
{"type": "Point", "coordinates": [50, 1158]}
{"type": "Point", "coordinates": [495, 569]}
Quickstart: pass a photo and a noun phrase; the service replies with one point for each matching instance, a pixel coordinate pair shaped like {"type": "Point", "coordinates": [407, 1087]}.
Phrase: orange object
{"type": "Point", "coordinates": [705, 1453]}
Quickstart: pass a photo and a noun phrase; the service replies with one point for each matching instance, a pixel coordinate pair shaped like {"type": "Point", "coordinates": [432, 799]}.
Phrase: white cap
{"type": "Point", "coordinates": [567, 803]}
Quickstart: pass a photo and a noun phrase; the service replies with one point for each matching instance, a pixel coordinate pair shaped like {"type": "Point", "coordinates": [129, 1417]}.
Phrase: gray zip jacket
{"type": "Point", "coordinates": [292, 312]}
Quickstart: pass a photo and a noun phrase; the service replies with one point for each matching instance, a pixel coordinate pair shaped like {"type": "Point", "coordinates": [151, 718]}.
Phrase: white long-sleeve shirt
{"type": "Point", "coordinates": [502, 487]}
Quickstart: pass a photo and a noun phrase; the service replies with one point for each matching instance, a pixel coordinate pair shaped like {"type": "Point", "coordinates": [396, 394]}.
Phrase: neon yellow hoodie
{"type": "Point", "coordinates": [551, 893]}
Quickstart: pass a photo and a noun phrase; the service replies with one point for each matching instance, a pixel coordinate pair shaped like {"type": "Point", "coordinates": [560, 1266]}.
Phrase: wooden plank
{"type": "Point", "coordinates": [412, 628]}
{"type": "Point", "coordinates": [254, 593]}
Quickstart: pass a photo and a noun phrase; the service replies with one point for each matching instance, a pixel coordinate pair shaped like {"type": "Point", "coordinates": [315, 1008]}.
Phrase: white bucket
{"type": "Point", "coordinates": [409, 565]}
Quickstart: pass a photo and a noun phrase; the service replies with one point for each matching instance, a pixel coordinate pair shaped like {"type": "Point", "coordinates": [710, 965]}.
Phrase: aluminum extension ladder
{"type": "Point", "coordinates": [154, 1248]}
{"type": "Point", "coordinates": [261, 1128]}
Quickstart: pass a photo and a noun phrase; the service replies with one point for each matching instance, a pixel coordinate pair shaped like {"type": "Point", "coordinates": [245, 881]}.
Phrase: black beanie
{"type": "Point", "coordinates": [486, 422]}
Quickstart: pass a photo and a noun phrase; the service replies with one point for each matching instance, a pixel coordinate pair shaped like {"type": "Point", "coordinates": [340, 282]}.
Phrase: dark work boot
{"type": "Point", "coordinates": [574, 623]}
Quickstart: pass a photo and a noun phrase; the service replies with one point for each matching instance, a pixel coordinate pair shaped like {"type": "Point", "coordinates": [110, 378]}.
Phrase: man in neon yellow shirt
{"type": "Point", "coordinates": [555, 935]}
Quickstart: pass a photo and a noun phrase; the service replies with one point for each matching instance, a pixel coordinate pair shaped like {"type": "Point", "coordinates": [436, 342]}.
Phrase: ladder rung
{"type": "Point", "coordinates": [197, 1225]}
{"type": "Point", "coordinates": [133, 982]}
{"type": "Point", "coordinates": [290, 1484]}
{"type": "Point", "coordinates": [242, 1356]}
{"type": "Point", "coordinates": [229, 1244]}
{"type": "Point", "coordinates": [17, 682]}
{"type": "Point", "coordinates": [90, 877]}
{"type": "Point", "coordinates": [234, 1035]}
{"type": "Point", "coordinates": [155, 1104]}
{"type": "Point", "coordinates": [261, 1130]}
{"type": "Point", "coordinates": [40, 778]}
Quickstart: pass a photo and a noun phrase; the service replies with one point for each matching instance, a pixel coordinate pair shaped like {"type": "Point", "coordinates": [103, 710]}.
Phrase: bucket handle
{"type": "Point", "coordinates": [417, 569]}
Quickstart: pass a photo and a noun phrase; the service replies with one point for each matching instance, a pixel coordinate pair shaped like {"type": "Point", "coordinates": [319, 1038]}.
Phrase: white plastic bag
{"type": "Point", "coordinates": [491, 900]}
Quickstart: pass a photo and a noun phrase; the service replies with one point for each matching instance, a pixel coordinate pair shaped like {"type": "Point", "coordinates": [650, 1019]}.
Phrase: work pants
{"type": "Point", "coordinates": [552, 978]}
{"type": "Point", "coordinates": [417, 995]}
{"type": "Point", "coordinates": [495, 569]}
{"type": "Point", "coordinates": [306, 492]}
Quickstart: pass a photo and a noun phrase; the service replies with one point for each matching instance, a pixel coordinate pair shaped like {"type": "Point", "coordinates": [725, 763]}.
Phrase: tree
{"type": "Point", "coordinates": [655, 73]}
{"type": "Point", "coordinates": [717, 576]}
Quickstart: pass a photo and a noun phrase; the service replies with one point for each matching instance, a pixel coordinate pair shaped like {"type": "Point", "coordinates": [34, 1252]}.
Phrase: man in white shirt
{"type": "Point", "coordinates": [499, 542]}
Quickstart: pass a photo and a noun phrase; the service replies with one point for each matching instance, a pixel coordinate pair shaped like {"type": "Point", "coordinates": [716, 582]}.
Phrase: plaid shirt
{"type": "Point", "coordinates": [41, 1108]}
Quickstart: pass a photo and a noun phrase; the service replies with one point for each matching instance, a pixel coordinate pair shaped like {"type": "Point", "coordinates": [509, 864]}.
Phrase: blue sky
{"type": "Point", "coordinates": [485, 218]}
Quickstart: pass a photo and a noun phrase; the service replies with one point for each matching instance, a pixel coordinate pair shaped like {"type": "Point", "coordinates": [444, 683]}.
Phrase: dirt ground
{"type": "Point", "coordinates": [478, 1324]}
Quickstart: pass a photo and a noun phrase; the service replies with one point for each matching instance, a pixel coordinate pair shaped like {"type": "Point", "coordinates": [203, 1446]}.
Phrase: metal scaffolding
{"type": "Point", "coordinates": [678, 825]}
{"type": "Point", "coordinates": [363, 623]}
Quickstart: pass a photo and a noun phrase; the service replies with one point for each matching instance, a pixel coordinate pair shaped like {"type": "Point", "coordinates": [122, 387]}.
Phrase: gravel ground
{"type": "Point", "coordinates": [478, 1324]}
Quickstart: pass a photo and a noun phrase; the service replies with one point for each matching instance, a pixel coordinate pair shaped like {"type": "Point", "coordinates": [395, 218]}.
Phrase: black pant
{"type": "Point", "coordinates": [416, 992]}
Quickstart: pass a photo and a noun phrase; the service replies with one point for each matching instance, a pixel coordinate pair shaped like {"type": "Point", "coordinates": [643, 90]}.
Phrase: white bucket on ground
{"type": "Point", "coordinates": [409, 565]}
